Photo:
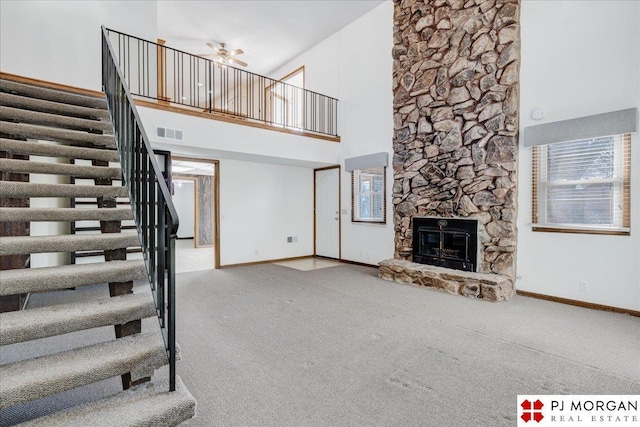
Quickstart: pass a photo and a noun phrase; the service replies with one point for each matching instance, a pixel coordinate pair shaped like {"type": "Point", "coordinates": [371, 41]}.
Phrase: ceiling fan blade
{"type": "Point", "coordinates": [236, 52]}
{"type": "Point", "coordinates": [212, 46]}
{"type": "Point", "coordinates": [237, 61]}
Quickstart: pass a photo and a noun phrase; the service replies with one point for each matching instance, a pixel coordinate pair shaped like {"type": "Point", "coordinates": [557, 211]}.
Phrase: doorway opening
{"type": "Point", "coordinates": [195, 190]}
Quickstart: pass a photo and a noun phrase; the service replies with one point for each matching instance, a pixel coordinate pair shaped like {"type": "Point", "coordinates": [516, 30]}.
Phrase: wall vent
{"type": "Point", "coordinates": [168, 133]}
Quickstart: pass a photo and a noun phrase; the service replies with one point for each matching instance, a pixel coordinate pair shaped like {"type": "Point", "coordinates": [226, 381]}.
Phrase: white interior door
{"type": "Point", "coordinates": [328, 213]}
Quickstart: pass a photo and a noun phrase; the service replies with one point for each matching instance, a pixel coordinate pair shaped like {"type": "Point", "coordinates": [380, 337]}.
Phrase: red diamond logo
{"type": "Point", "coordinates": [532, 411]}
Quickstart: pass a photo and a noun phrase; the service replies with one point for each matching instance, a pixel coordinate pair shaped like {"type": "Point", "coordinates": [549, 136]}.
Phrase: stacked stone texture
{"type": "Point", "coordinates": [491, 287]}
{"type": "Point", "coordinates": [455, 85]}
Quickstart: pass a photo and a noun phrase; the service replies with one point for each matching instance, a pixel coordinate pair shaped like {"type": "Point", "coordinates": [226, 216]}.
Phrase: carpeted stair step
{"type": "Point", "coordinates": [55, 120]}
{"type": "Point", "coordinates": [33, 324]}
{"type": "Point", "coordinates": [57, 95]}
{"type": "Point", "coordinates": [33, 379]}
{"type": "Point", "coordinates": [64, 214]}
{"type": "Point", "coordinates": [18, 190]}
{"type": "Point", "coordinates": [146, 405]}
{"type": "Point", "coordinates": [78, 171]}
{"type": "Point", "coordinates": [53, 150]}
{"type": "Point", "coordinates": [73, 137]}
{"type": "Point", "coordinates": [41, 105]}
{"type": "Point", "coordinates": [25, 280]}
{"type": "Point", "coordinates": [16, 245]}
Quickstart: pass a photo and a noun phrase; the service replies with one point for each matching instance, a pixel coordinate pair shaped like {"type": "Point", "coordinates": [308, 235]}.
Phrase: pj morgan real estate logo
{"type": "Point", "coordinates": [578, 410]}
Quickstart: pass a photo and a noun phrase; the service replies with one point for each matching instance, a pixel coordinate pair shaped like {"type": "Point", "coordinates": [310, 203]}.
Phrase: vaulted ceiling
{"type": "Point", "coordinates": [271, 33]}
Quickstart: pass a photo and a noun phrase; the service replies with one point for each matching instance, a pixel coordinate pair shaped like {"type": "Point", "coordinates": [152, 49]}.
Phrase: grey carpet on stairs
{"type": "Point", "coordinates": [44, 106]}
{"type": "Point", "coordinates": [22, 281]}
{"type": "Point", "coordinates": [26, 325]}
{"type": "Point", "coordinates": [40, 92]}
{"type": "Point", "coordinates": [78, 171]}
{"type": "Point", "coordinates": [27, 189]}
{"type": "Point", "coordinates": [55, 120]}
{"type": "Point", "coordinates": [54, 150]}
{"type": "Point", "coordinates": [65, 348]}
{"type": "Point", "coordinates": [46, 133]}
{"type": "Point", "coordinates": [65, 214]}
{"type": "Point", "coordinates": [67, 243]}
{"type": "Point", "coordinates": [147, 405]}
{"type": "Point", "coordinates": [46, 346]}
{"type": "Point", "coordinates": [32, 379]}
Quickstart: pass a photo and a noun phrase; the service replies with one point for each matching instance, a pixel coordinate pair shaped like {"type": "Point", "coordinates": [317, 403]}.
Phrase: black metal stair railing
{"type": "Point", "coordinates": [158, 72]}
{"type": "Point", "coordinates": [155, 216]}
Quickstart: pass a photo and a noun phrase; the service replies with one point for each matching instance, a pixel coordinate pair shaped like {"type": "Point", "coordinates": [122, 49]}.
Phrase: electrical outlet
{"type": "Point", "coordinates": [256, 252]}
{"type": "Point", "coordinates": [290, 239]}
{"type": "Point", "coordinates": [584, 286]}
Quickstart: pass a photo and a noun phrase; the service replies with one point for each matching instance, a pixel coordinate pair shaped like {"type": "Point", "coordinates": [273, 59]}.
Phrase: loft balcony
{"type": "Point", "coordinates": [169, 79]}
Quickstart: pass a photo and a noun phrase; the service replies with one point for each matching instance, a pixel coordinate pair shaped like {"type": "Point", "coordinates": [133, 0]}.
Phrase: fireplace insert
{"type": "Point", "coordinates": [451, 243]}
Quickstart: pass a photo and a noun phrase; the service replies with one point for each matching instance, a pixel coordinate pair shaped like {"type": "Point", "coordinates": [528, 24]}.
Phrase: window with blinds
{"type": "Point", "coordinates": [368, 195]}
{"type": "Point", "coordinates": [583, 186]}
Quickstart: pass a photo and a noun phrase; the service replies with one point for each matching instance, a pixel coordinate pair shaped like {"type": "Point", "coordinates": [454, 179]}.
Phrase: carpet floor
{"type": "Point", "coordinates": [267, 345]}
{"type": "Point", "coordinates": [272, 346]}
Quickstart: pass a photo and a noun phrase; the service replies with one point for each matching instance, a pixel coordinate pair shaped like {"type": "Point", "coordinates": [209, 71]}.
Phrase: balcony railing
{"type": "Point", "coordinates": [158, 72]}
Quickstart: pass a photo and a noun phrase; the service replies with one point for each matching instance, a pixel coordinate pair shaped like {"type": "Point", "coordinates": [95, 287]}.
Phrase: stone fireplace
{"type": "Point", "coordinates": [455, 83]}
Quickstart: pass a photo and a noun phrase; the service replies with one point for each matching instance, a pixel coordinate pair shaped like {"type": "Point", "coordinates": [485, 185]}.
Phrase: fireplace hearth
{"type": "Point", "coordinates": [450, 242]}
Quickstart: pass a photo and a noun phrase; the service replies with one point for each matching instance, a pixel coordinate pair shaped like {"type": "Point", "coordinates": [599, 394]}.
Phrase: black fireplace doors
{"type": "Point", "coordinates": [450, 243]}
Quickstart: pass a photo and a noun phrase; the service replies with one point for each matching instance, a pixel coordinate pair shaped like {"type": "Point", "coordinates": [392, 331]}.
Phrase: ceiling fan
{"type": "Point", "coordinates": [224, 56]}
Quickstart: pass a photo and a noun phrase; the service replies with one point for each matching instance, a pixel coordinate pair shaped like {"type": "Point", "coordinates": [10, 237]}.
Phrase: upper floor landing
{"type": "Point", "coordinates": [171, 80]}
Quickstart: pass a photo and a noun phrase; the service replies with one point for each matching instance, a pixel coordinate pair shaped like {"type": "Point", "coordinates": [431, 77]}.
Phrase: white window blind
{"type": "Point", "coordinates": [369, 195]}
{"type": "Point", "coordinates": [583, 185]}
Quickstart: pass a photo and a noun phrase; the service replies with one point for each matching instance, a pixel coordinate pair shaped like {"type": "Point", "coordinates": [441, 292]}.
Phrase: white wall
{"type": "Point", "coordinates": [46, 228]}
{"type": "Point", "coordinates": [221, 139]}
{"type": "Point", "coordinates": [184, 199]}
{"type": "Point", "coordinates": [260, 206]}
{"type": "Point", "coordinates": [60, 41]}
{"type": "Point", "coordinates": [355, 66]}
{"type": "Point", "coordinates": [579, 58]}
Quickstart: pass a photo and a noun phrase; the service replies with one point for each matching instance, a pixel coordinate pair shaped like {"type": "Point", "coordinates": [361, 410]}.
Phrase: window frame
{"type": "Point", "coordinates": [355, 195]}
{"type": "Point", "coordinates": [277, 91]}
{"type": "Point", "coordinates": [539, 197]}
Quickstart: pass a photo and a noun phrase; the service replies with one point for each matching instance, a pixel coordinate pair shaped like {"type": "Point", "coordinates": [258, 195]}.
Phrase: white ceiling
{"type": "Point", "coordinates": [271, 32]}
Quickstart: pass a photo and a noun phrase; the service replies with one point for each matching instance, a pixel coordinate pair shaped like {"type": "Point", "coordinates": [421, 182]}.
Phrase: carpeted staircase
{"type": "Point", "coordinates": [72, 130]}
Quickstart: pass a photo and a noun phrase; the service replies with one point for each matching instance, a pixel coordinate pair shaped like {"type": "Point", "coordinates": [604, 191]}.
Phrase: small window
{"type": "Point", "coordinates": [369, 195]}
{"type": "Point", "coordinates": [583, 186]}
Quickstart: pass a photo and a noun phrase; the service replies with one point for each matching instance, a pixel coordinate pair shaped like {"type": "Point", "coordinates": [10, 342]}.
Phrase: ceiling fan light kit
{"type": "Point", "coordinates": [224, 56]}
